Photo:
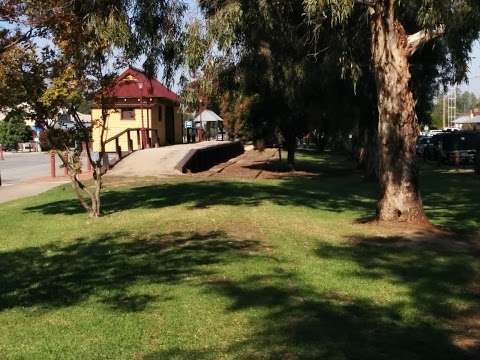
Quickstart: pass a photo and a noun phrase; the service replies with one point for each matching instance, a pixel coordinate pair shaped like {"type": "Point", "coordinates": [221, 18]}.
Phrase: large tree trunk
{"type": "Point", "coordinates": [400, 199]}
{"type": "Point", "coordinates": [370, 155]}
{"type": "Point", "coordinates": [291, 145]}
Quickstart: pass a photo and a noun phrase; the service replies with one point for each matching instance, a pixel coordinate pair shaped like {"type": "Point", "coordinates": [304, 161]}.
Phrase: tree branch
{"type": "Point", "coordinates": [367, 2]}
{"type": "Point", "coordinates": [15, 41]}
{"type": "Point", "coordinates": [417, 40]}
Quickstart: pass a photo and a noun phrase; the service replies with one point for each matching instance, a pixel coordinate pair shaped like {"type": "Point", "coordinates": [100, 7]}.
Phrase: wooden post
{"type": "Point", "coordinates": [118, 149]}
{"type": "Point", "coordinates": [65, 168]}
{"type": "Point", "coordinates": [129, 142]}
{"type": "Point", "coordinates": [53, 168]}
{"type": "Point", "coordinates": [456, 159]}
{"type": "Point", "coordinates": [105, 162]}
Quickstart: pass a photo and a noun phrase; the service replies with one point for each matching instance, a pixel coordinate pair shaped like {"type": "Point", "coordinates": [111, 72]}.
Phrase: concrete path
{"type": "Point", "coordinates": [158, 162]}
{"type": "Point", "coordinates": [21, 190]}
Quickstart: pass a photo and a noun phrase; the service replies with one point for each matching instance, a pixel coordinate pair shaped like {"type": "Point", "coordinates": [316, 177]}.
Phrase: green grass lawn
{"type": "Point", "coordinates": [270, 269]}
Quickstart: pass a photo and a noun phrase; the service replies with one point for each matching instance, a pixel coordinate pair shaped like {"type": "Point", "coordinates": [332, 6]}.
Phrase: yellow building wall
{"type": "Point", "coordinates": [161, 127]}
{"type": "Point", "coordinates": [116, 125]}
{"type": "Point", "coordinates": [153, 117]}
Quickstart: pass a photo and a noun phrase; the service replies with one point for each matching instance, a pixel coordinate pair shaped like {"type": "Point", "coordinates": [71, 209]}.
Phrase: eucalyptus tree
{"type": "Point", "coordinates": [393, 42]}
{"type": "Point", "coordinates": [79, 45]}
{"type": "Point", "coordinates": [265, 41]}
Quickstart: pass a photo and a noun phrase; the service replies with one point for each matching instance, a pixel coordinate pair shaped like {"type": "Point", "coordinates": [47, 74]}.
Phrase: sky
{"type": "Point", "coordinates": [474, 74]}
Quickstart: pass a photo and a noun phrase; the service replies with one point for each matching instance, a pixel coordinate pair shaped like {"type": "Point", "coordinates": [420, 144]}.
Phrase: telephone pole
{"type": "Point", "coordinates": [452, 105]}
{"type": "Point", "coordinates": [444, 108]}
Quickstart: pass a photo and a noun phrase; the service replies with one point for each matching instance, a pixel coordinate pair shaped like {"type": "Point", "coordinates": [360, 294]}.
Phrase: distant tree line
{"type": "Point", "coordinates": [466, 101]}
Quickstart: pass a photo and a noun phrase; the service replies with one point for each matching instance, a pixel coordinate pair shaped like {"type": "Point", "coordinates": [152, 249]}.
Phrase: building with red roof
{"type": "Point", "coordinates": [142, 113]}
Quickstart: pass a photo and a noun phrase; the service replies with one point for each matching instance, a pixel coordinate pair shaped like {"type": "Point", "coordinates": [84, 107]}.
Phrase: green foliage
{"type": "Point", "coordinates": [13, 130]}
{"type": "Point", "coordinates": [466, 101]}
{"type": "Point", "coordinates": [236, 112]}
{"type": "Point", "coordinates": [459, 19]}
{"type": "Point", "coordinates": [224, 22]}
{"type": "Point", "coordinates": [263, 42]}
{"type": "Point", "coordinates": [197, 46]}
{"type": "Point", "coordinates": [85, 107]}
{"type": "Point", "coordinates": [337, 10]}
{"type": "Point", "coordinates": [200, 82]}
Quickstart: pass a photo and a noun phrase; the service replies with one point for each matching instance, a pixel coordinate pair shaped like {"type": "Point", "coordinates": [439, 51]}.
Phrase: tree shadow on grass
{"type": "Point", "coordinates": [106, 267]}
{"type": "Point", "coordinates": [179, 353]}
{"type": "Point", "coordinates": [452, 199]}
{"type": "Point", "coordinates": [336, 195]}
{"type": "Point", "coordinates": [325, 165]}
{"type": "Point", "coordinates": [439, 272]}
{"type": "Point", "coordinates": [296, 321]}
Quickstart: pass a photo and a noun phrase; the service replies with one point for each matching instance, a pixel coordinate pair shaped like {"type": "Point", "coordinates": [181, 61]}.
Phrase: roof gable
{"type": "Point", "coordinates": [135, 83]}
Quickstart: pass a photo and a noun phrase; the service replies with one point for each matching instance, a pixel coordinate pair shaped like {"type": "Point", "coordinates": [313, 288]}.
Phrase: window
{"type": "Point", "coordinates": [128, 114]}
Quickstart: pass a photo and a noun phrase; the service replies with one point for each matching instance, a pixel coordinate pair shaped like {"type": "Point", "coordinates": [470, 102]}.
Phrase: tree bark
{"type": "Point", "coordinates": [291, 145]}
{"type": "Point", "coordinates": [370, 156]}
{"type": "Point", "coordinates": [400, 199]}
{"type": "Point", "coordinates": [291, 157]}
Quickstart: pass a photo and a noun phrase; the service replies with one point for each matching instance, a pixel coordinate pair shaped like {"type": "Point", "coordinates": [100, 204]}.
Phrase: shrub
{"type": "Point", "coordinates": [13, 130]}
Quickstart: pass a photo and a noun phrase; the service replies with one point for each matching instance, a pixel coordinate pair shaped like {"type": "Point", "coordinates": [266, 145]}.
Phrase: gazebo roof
{"type": "Point", "coordinates": [127, 85]}
{"type": "Point", "coordinates": [207, 116]}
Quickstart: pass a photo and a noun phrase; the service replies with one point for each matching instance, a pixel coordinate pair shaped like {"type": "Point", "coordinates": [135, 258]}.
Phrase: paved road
{"type": "Point", "coordinates": [18, 167]}
{"type": "Point", "coordinates": [26, 175]}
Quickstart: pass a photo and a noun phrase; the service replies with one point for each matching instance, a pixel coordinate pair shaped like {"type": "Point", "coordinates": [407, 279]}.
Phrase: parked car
{"type": "Point", "coordinates": [456, 147]}
{"type": "Point", "coordinates": [424, 143]}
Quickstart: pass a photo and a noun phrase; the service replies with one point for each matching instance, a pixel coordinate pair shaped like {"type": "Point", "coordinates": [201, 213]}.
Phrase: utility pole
{"type": "Point", "coordinates": [452, 105]}
{"type": "Point", "coordinates": [444, 106]}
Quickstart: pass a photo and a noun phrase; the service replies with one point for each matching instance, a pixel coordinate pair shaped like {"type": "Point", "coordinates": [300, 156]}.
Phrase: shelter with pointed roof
{"type": "Point", "coordinates": [137, 102]}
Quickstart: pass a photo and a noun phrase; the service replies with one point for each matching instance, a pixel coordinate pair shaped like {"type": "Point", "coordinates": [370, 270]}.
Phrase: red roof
{"type": "Point", "coordinates": [128, 85]}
